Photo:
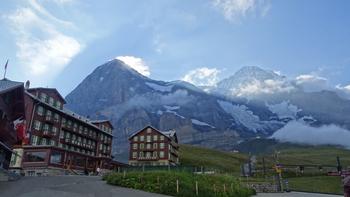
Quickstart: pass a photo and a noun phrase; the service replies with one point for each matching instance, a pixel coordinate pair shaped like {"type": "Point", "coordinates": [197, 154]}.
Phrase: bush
{"type": "Point", "coordinates": [164, 182]}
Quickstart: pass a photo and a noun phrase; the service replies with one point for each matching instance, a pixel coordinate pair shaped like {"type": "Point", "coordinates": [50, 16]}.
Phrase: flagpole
{"type": "Point", "coordinates": [6, 68]}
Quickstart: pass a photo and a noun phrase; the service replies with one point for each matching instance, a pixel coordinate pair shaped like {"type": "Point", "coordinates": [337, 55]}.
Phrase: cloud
{"type": "Point", "coordinates": [256, 87]}
{"type": "Point", "coordinates": [302, 133]}
{"type": "Point", "coordinates": [312, 83]}
{"type": "Point", "coordinates": [234, 10]}
{"type": "Point", "coordinates": [343, 91]}
{"type": "Point", "coordinates": [202, 76]}
{"type": "Point", "coordinates": [136, 63]}
{"type": "Point", "coordinates": [43, 49]}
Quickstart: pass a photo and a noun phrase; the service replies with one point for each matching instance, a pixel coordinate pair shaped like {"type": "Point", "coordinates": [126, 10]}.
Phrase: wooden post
{"type": "Point", "coordinates": [224, 188]}
{"type": "Point", "coordinates": [124, 174]}
{"type": "Point", "coordinates": [177, 186]}
{"type": "Point", "coordinates": [196, 188]}
{"type": "Point", "coordinates": [214, 189]}
{"type": "Point", "coordinates": [231, 187]}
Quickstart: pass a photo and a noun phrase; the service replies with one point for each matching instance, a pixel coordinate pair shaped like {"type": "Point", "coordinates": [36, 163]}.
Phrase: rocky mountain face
{"type": "Point", "coordinates": [132, 101]}
{"type": "Point", "coordinates": [252, 103]}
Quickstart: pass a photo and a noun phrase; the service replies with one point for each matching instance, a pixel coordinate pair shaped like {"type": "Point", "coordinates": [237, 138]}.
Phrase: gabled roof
{"type": "Point", "coordinates": [8, 85]}
{"type": "Point", "coordinates": [102, 121]}
{"type": "Point", "coordinates": [167, 134]}
{"type": "Point", "coordinates": [50, 89]}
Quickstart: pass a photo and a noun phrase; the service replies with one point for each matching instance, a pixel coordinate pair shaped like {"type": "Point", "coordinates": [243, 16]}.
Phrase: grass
{"type": "Point", "coordinates": [322, 184]}
{"type": "Point", "coordinates": [164, 182]}
{"type": "Point", "coordinates": [312, 180]}
{"type": "Point", "coordinates": [211, 159]}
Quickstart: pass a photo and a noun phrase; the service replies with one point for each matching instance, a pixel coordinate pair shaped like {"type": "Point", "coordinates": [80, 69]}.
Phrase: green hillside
{"type": "Point", "coordinates": [212, 159]}
{"type": "Point", "coordinates": [230, 162]}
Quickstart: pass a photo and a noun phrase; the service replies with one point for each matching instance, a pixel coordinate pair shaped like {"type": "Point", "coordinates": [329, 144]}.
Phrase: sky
{"type": "Point", "coordinates": [57, 43]}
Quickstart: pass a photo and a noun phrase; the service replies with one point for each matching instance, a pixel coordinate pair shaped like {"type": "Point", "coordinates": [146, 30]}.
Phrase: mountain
{"type": "Point", "coordinates": [284, 97]}
{"type": "Point", "coordinates": [253, 103]}
{"type": "Point", "coordinates": [132, 101]}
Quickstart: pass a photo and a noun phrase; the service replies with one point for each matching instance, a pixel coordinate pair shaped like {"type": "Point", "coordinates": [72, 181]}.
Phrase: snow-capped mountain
{"type": "Point", "coordinates": [252, 103]}
{"type": "Point", "coordinates": [132, 101]}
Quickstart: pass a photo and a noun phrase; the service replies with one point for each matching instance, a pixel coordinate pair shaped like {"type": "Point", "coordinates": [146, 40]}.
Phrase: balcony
{"type": "Point", "coordinates": [48, 133]}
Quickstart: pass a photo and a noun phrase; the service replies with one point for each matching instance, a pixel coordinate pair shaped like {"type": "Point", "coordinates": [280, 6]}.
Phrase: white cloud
{"type": "Point", "coordinates": [136, 63]}
{"type": "Point", "coordinates": [256, 87]}
{"type": "Point", "coordinates": [202, 76]}
{"type": "Point", "coordinates": [43, 49]}
{"type": "Point", "coordinates": [302, 133]}
{"type": "Point", "coordinates": [312, 83]}
{"type": "Point", "coordinates": [343, 91]}
{"type": "Point", "coordinates": [234, 10]}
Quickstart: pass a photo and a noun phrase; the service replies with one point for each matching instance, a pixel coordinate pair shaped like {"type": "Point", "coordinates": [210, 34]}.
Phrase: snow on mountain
{"type": "Point", "coordinates": [197, 122]}
{"type": "Point", "coordinates": [242, 115]}
{"type": "Point", "coordinates": [284, 110]}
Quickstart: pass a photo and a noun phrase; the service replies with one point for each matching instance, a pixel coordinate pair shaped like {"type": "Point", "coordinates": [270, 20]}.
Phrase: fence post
{"type": "Point", "coordinates": [224, 188]}
{"type": "Point", "coordinates": [231, 187]}
{"type": "Point", "coordinates": [177, 186]}
{"type": "Point", "coordinates": [124, 174]}
{"type": "Point", "coordinates": [196, 188]}
{"type": "Point", "coordinates": [214, 189]}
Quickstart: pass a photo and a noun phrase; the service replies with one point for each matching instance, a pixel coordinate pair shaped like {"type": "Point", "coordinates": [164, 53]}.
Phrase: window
{"type": "Point", "coordinates": [43, 141]}
{"type": "Point", "coordinates": [51, 101]}
{"type": "Point", "coordinates": [162, 137]}
{"type": "Point", "coordinates": [141, 155]}
{"type": "Point", "coordinates": [64, 122]}
{"type": "Point", "coordinates": [58, 104]}
{"type": "Point", "coordinates": [61, 134]}
{"type": "Point", "coordinates": [48, 113]}
{"type": "Point", "coordinates": [149, 130]}
{"type": "Point", "coordinates": [46, 127]}
{"type": "Point", "coordinates": [52, 142]}
{"type": "Point", "coordinates": [35, 156]}
{"type": "Point", "coordinates": [43, 97]}
{"type": "Point", "coordinates": [155, 145]}
{"type": "Point", "coordinates": [40, 111]}
{"type": "Point", "coordinates": [37, 125]}
{"type": "Point", "coordinates": [56, 117]}
{"type": "Point", "coordinates": [155, 137]}
{"type": "Point", "coordinates": [34, 140]}
{"type": "Point", "coordinates": [148, 146]}
{"type": "Point", "coordinates": [134, 155]}
{"type": "Point", "coordinates": [148, 155]}
{"type": "Point", "coordinates": [54, 130]}
{"type": "Point", "coordinates": [161, 154]}
{"type": "Point", "coordinates": [142, 146]}
{"type": "Point", "coordinates": [161, 145]}
{"type": "Point", "coordinates": [136, 138]}
{"type": "Point", "coordinates": [134, 146]}
{"type": "Point", "coordinates": [142, 138]}
{"type": "Point", "coordinates": [155, 154]}
{"type": "Point", "coordinates": [148, 138]}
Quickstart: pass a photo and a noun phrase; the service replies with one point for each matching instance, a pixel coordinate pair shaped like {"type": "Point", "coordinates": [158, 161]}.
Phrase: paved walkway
{"type": "Point", "coordinates": [66, 186]}
{"type": "Point", "coordinates": [296, 194]}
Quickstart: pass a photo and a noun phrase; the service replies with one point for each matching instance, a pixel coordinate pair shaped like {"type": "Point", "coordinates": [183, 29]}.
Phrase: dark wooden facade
{"type": "Point", "coordinates": [150, 146]}
{"type": "Point", "coordinates": [11, 109]}
{"type": "Point", "coordinates": [60, 139]}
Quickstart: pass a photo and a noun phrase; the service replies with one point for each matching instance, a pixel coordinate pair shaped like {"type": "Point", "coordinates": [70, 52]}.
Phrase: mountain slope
{"type": "Point", "coordinates": [132, 101]}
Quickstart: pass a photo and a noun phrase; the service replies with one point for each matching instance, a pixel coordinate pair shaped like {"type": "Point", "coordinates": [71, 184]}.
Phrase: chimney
{"type": "Point", "coordinates": [27, 85]}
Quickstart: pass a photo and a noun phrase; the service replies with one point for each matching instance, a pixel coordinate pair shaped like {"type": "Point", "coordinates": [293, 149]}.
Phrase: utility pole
{"type": "Point", "coordinates": [339, 167]}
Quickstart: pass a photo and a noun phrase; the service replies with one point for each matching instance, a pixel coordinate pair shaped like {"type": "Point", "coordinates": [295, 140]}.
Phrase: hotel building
{"type": "Point", "coordinates": [150, 146]}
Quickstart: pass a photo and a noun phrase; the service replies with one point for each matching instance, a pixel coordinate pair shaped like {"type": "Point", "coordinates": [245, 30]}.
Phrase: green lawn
{"type": "Point", "coordinates": [324, 184]}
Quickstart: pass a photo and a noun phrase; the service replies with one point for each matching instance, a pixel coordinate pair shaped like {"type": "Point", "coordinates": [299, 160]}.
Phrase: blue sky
{"type": "Point", "coordinates": [57, 43]}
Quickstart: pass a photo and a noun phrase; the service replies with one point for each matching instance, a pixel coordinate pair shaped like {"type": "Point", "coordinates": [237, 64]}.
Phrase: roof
{"type": "Point", "coordinates": [167, 134]}
{"type": "Point", "coordinates": [7, 85]}
{"type": "Point", "coordinates": [70, 113]}
{"type": "Point", "coordinates": [52, 89]}
{"type": "Point", "coordinates": [102, 121]}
